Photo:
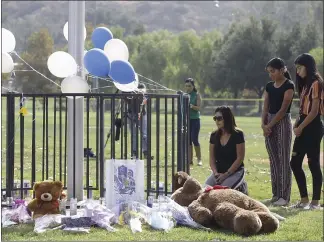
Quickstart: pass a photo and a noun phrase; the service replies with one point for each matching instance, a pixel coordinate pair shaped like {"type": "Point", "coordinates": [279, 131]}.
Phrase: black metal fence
{"type": "Point", "coordinates": [34, 139]}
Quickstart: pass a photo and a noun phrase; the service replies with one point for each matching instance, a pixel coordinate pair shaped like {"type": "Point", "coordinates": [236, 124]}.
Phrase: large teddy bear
{"type": "Point", "coordinates": [47, 195]}
{"type": "Point", "coordinates": [227, 208]}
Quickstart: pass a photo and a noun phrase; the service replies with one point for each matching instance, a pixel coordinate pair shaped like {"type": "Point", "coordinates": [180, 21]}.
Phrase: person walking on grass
{"type": "Point", "coordinates": [277, 129]}
{"type": "Point", "coordinates": [195, 102]}
{"type": "Point", "coordinates": [308, 129]}
{"type": "Point", "coordinates": [226, 152]}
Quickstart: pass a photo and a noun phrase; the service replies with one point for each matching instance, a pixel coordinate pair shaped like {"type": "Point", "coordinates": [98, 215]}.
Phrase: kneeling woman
{"type": "Point", "coordinates": [226, 152]}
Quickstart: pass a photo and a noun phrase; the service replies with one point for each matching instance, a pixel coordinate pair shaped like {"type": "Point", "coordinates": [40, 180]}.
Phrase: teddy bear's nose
{"type": "Point", "coordinates": [45, 196]}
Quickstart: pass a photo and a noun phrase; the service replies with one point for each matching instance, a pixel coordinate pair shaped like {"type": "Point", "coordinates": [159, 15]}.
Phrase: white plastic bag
{"type": "Point", "coordinates": [135, 225]}
{"type": "Point", "coordinates": [46, 222]}
{"type": "Point", "coordinates": [161, 221]}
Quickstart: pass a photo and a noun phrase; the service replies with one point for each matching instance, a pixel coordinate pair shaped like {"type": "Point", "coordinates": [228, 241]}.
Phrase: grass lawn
{"type": "Point", "coordinates": [299, 225]}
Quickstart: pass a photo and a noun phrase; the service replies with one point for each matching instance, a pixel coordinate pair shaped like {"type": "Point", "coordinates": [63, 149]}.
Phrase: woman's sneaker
{"type": "Point", "coordinates": [300, 205]}
{"type": "Point", "coordinates": [281, 202]}
{"type": "Point", "coordinates": [199, 163]}
{"type": "Point", "coordinates": [313, 207]}
{"type": "Point", "coordinates": [272, 200]}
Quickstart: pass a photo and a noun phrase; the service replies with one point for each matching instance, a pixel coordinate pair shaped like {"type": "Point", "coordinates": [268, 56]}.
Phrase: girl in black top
{"type": "Point", "coordinates": [226, 151]}
{"type": "Point", "coordinates": [277, 129]}
{"type": "Point", "coordinates": [308, 129]}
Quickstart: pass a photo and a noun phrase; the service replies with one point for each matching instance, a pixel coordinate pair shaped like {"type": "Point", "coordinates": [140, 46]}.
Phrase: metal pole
{"type": "Point", "coordinates": [76, 49]}
{"type": "Point", "coordinates": [96, 80]}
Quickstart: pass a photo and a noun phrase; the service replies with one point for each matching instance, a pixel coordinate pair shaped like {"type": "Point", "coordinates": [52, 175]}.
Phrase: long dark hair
{"type": "Point", "coordinates": [311, 73]}
{"type": "Point", "coordinates": [229, 120]}
{"type": "Point", "coordinates": [278, 63]}
{"type": "Point", "coordinates": [192, 82]}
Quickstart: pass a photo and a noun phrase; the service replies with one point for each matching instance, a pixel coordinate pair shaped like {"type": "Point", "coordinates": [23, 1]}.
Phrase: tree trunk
{"type": "Point", "coordinates": [260, 105]}
{"type": "Point", "coordinates": [236, 92]}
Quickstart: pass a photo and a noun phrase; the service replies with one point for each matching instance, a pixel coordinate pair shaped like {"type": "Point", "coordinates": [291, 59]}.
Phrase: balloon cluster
{"type": "Point", "coordinates": [8, 44]}
{"type": "Point", "coordinates": [61, 64]}
{"type": "Point", "coordinates": [109, 58]}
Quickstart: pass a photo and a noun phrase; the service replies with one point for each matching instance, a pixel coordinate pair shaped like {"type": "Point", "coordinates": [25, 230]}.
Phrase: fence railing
{"type": "Point", "coordinates": [34, 139]}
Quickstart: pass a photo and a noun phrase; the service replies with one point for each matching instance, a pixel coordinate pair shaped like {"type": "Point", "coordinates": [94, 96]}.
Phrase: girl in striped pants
{"type": "Point", "coordinates": [277, 129]}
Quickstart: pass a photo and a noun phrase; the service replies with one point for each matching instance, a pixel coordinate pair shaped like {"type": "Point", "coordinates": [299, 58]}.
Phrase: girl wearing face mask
{"type": "Point", "coordinates": [277, 129]}
{"type": "Point", "coordinates": [308, 129]}
{"type": "Point", "coordinates": [195, 102]}
{"type": "Point", "coordinates": [226, 151]}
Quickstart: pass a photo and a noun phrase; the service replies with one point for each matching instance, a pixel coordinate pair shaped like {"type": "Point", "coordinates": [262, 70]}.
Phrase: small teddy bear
{"type": "Point", "coordinates": [47, 195]}
{"type": "Point", "coordinates": [190, 190]}
{"type": "Point", "coordinates": [179, 178]}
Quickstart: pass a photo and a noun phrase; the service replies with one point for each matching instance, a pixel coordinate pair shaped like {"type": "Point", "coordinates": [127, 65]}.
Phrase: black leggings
{"type": "Point", "coordinates": [309, 143]}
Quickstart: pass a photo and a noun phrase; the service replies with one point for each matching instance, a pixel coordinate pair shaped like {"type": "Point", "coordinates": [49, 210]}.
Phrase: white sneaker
{"type": "Point", "coordinates": [280, 202]}
{"type": "Point", "coordinates": [272, 200]}
{"type": "Point", "coordinates": [199, 163]}
{"type": "Point", "coordinates": [300, 205]}
{"type": "Point", "coordinates": [313, 207]}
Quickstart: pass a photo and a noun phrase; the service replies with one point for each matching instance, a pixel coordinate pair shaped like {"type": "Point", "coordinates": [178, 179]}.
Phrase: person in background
{"type": "Point", "coordinates": [226, 151]}
{"type": "Point", "coordinates": [277, 129]}
{"type": "Point", "coordinates": [308, 129]}
{"type": "Point", "coordinates": [136, 112]}
{"type": "Point", "coordinates": [195, 102]}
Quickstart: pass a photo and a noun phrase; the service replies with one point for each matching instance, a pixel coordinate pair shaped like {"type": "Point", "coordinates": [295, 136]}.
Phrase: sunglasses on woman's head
{"type": "Point", "coordinates": [218, 118]}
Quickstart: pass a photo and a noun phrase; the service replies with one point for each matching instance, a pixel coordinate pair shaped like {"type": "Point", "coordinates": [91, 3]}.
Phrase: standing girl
{"type": "Point", "coordinates": [308, 130]}
{"type": "Point", "coordinates": [195, 102]}
{"type": "Point", "coordinates": [277, 129]}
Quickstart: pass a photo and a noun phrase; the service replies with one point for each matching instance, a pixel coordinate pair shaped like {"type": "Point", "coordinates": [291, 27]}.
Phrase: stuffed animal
{"type": "Point", "coordinates": [179, 178]}
{"type": "Point", "coordinates": [189, 192]}
{"type": "Point", "coordinates": [227, 208]}
{"type": "Point", "coordinates": [47, 195]}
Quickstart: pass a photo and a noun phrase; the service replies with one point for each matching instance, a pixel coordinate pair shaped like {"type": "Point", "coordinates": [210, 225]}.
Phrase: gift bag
{"type": "Point", "coordinates": [124, 182]}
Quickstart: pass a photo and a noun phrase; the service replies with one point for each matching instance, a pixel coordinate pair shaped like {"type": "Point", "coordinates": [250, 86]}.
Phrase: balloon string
{"type": "Point", "coordinates": [9, 89]}
{"type": "Point", "coordinates": [14, 52]}
{"type": "Point", "coordinates": [105, 79]}
{"type": "Point", "coordinates": [156, 83]}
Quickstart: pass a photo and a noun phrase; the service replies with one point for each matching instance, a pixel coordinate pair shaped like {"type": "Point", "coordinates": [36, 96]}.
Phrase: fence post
{"type": "Point", "coordinates": [180, 139]}
{"type": "Point", "coordinates": [10, 166]}
{"type": "Point", "coordinates": [101, 146]}
{"type": "Point", "coordinates": [186, 117]}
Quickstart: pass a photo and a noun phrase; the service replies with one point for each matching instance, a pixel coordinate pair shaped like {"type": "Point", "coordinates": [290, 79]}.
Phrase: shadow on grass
{"type": "Point", "coordinates": [285, 211]}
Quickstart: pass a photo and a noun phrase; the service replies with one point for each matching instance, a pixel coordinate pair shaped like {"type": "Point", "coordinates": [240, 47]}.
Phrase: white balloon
{"type": "Point", "coordinates": [116, 49]}
{"type": "Point", "coordinates": [74, 84]}
{"type": "Point", "coordinates": [8, 41]}
{"type": "Point", "coordinates": [66, 31]}
{"type": "Point", "coordinates": [61, 64]}
{"type": "Point", "coordinates": [85, 69]}
{"type": "Point", "coordinates": [7, 64]}
{"type": "Point", "coordinates": [130, 87]}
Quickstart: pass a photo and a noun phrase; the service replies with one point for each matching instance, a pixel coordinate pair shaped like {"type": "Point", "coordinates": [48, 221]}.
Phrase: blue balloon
{"type": "Point", "coordinates": [97, 62]}
{"type": "Point", "coordinates": [100, 36]}
{"type": "Point", "coordinates": [122, 72]}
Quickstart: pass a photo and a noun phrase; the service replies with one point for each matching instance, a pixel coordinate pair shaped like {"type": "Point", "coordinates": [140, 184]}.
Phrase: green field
{"type": "Point", "coordinates": [299, 225]}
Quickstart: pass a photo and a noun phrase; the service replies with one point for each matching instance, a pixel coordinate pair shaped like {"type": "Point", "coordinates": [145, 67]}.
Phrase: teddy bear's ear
{"type": "Point", "coordinates": [58, 184]}
{"type": "Point", "coordinates": [36, 185]}
{"type": "Point", "coordinates": [179, 180]}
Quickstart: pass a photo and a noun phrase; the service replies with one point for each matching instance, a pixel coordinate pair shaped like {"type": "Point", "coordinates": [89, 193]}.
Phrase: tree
{"type": "Point", "coordinates": [317, 53]}
{"type": "Point", "coordinates": [241, 60]}
{"type": "Point", "coordinates": [39, 48]}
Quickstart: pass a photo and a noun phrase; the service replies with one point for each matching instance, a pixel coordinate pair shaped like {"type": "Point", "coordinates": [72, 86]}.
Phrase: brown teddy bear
{"type": "Point", "coordinates": [47, 195]}
{"type": "Point", "coordinates": [179, 178]}
{"type": "Point", "coordinates": [189, 192]}
{"type": "Point", "coordinates": [224, 207]}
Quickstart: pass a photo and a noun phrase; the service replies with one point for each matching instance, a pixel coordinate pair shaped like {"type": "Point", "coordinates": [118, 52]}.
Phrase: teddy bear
{"type": "Point", "coordinates": [46, 201]}
{"type": "Point", "coordinates": [226, 208]}
{"type": "Point", "coordinates": [178, 179]}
